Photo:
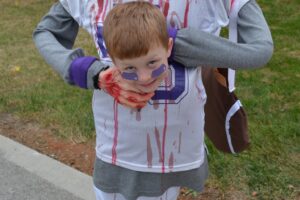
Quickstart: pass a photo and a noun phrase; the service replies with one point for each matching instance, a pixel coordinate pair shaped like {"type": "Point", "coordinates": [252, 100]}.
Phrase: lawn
{"type": "Point", "coordinates": [270, 169]}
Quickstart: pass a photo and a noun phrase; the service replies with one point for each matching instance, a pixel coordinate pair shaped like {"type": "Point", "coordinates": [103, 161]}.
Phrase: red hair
{"type": "Point", "coordinates": [131, 29]}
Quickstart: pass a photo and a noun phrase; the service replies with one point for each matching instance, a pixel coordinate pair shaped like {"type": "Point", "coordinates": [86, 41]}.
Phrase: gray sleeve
{"type": "Point", "coordinates": [254, 48]}
{"type": "Point", "coordinates": [54, 37]}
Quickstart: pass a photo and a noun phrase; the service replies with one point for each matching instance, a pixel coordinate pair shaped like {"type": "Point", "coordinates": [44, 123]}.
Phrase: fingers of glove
{"type": "Point", "coordinates": [109, 84]}
{"type": "Point", "coordinates": [112, 82]}
{"type": "Point", "coordinates": [108, 78]}
{"type": "Point", "coordinates": [114, 91]}
{"type": "Point", "coordinates": [131, 104]}
{"type": "Point", "coordinates": [127, 87]}
{"type": "Point", "coordinates": [117, 92]}
{"type": "Point", "coordinates": [136, 97]}
{"type": "Point", "coordinates": [111, 79]}
{"type": "Point", "coordinates": [132, 101]}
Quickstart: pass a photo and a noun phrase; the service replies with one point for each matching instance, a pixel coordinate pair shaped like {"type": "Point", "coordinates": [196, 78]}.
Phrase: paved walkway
{"type": "Point", "coordinates": [28, 175]}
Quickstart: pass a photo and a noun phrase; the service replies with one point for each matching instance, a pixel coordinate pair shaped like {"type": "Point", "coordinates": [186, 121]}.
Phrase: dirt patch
{"type": "Point", "coordinates": [79, 155]}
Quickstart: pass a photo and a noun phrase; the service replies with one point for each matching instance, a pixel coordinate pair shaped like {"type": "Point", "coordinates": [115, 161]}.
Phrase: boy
{"type": "Point", "coordinates": [147, 153]}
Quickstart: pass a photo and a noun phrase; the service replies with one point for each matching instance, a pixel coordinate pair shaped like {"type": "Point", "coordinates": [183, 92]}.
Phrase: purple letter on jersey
{"type": "Point", "coordinates": [179, 85]}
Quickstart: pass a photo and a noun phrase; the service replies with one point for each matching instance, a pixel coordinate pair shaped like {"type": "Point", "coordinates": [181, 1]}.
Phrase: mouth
{"type": "Point", "coordinates": [148, 84]}
{"type": "Point", "coordinates": [148, 87]}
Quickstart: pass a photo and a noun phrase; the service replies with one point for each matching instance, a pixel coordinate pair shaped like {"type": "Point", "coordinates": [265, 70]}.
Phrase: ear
{"type": "Point", "coordinates": [170, 46]}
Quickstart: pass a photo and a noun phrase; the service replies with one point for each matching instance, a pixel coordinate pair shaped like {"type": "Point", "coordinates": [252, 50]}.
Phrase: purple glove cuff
{"type": "Point", "coordinates": [79, 69]}
{"type": "Point", "coordinates": [172, 34]}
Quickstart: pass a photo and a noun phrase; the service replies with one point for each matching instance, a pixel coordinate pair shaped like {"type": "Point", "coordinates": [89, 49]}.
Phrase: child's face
{"type": "Point", "coordinates": [146, 73]}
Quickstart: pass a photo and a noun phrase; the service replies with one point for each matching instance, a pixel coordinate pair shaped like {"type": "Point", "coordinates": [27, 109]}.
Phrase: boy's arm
{"type": "Point", "coordinates": [254, 48]}
{"type": "Point", "coordinates": [54, 37]}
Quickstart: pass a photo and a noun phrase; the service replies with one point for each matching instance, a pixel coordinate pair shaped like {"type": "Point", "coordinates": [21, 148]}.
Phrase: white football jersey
{"type": "Point", "coordinates": [168, 134]}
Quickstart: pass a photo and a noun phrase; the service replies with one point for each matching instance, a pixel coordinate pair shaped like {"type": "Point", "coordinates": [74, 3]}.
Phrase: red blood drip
{"type": "Point", "coordinates": [158, 143]}
{"type": "Point", "coordinates": [179, 145]}
{"type": "Point", "coordinates": [164, 131]}
{"type": "Point", "coordinates": [104, 12]}
{"type": "Point", "coordinates": [171, 161]}
{"type": "Point", "coordinates": [116, 126]}
{"type": "Point", "coordinates": [231, 5]}
{"type": "Point", "coordinates": [100, 7]}
{"type": "Point", "coordinates": [138, 116]}
{"type": "Point", "coordinates": [185, 23]}
{"type": "Point", "coordinates": [155, 104]}
{"type": "Point", "coordinates": [149, 151]}
{"type": "Point", "coordinates": [166, 8]}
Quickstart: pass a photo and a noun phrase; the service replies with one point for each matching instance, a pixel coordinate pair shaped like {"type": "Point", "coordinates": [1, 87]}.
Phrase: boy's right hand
{"type": "Point", "coordinates": [112, 82]}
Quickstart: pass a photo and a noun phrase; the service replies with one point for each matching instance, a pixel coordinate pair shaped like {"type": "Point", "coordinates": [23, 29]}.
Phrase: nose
{"type": "Point", "coordinates": [145, 75]}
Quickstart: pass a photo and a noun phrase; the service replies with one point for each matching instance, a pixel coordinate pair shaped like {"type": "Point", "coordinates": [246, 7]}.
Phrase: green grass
{"type": "Point", "coordinates": [29, 87]}
{"type": "Point", "coordinates": [271, 96]}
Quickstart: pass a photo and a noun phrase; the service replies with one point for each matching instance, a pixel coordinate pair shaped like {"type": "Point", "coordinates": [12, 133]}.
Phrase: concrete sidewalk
{"type": "Point", "coordinates": [28, 175]}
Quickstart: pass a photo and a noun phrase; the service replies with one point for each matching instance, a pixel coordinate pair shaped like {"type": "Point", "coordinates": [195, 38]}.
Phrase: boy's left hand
{"type": "Point", "coordinates": [112, 82]}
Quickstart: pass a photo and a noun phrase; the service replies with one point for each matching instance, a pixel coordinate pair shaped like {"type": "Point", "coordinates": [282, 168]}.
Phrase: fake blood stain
{"type": "Point", "coordinates": [111, 87]}
{"type": "Point", "coordinates": [138, 116]}
{"type": "Point", "coordinates": [171, 161]}
{"type": "Point", "coordinates": [116, 126]}
{"type": "Point", "coordinates": [155, 104]}
{"type": "Point", "coordinates": [158, 143]}
{"type": "Point", "coordinates": [179, 145]}
{"type": "Point", "coordinates": [137, 112]}
{"type": "Point", "coordinates": [185, 21]}
{"type": "Point", "coordinates": [149, 151]}
{"type": "Point", "coordinates": [166, 8]}
{"type": "Point", "coordinates": [164, 132]}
